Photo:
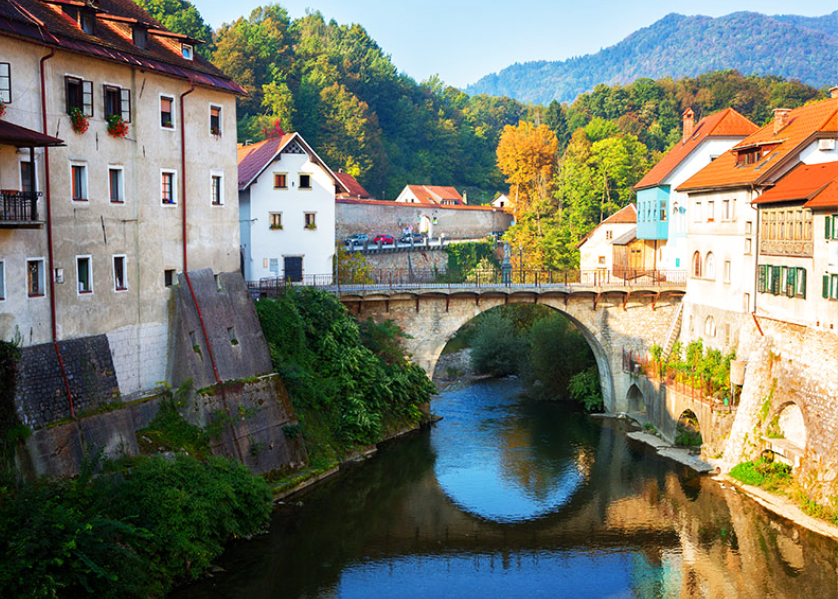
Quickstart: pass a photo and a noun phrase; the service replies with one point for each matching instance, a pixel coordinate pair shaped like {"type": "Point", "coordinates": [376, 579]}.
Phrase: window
{"type": "Point", "coordinates": [746, 302]}
{"type": "Point", "coordinates": [697, 265]}
{"type": "Point", "coordinates": [26, 177]}
{"type": "Point", "coordinates": [709, 266]}
{"type": "Point", "coordinates": [831, 226]}
{"type": "Point", "coordinates": [747, 246]}
{"type": "Point", "coordinates": [169, 277]}
{"type": "Point", "coordinates": [35, 277]}
{"type": "Point", "coordinates": [187, 51]}
{"type": "Point", "coordinates": [117, 102]}
{"type": "Point", "coordinates": [711, 211]}
{"type": "Point", "coordinates": [762, 278]}
{"type": "Point", "coordinates": [78, 181]}
{"type": "Point", "coordinates": [727, 213]}
{"type": "Point", "coordinates": [168, 187]}
{"type": "Point", "coordinates": [79, 95]}
{"type": "Point", "coordinates": [727, 271]}
{"type": "Point", "coordinates": [663, 211]}
{"type": "Point", "coordinates": [293, 268]}
{"type": "Point", "coordinates": [2, 280]}
{"type": "Point", "coordinates": [217, 189]}
{"type": "Point", "coordinates": [601, 260]}
{"type": "Point", "coordinates": [5, 82]}
{"type": "Point", "coordinates": [609, 235]}
{"type": "Point", "coordinates": [305, 181]}
{"type": "Point", "coordinates": [710, 326]}
{"type": "Point", "coordinates": [276, 220]}
{"type": "Point", "coordinates": [280, 181]}
{"type": "Point", "coordinates": [166, 111]}
{"type": "Point", "coordinates": [87, 22]}
{"type": "Point", "coordinates": [116, 188]}
{"type": "Point", "coordinates": [799, 282]}
{"type": "Point", "coordinates": [748, 227]}
{"type": "Point", "coordinates": [84, 274]}
{"type": "Point", "coordinates": [119, 281]}
{"type": "Point", "coordinates": [830, 286]}
{"type": "Point", "coordinates": [311, 223]}
{"type": "Point", "coordinates": [274, 267]}
{"type": "Point", "coordinates": [140, 36]}
{"type": "Point", "coordinates": [215, 120]}
{"type": "Point", "coordinates": [697, 213]}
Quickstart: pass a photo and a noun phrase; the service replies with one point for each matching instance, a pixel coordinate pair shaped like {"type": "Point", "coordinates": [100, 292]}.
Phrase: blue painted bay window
{"type": "Point", "coordinates": [653, 213]}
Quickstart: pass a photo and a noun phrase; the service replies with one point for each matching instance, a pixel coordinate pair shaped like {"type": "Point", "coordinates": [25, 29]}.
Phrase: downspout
{"type": "Point", "coordinates": [756, 265]}
{"type": "Point", "coordinates": [186, 267]}
{"type": "Point", "coordinates": [50, 252]}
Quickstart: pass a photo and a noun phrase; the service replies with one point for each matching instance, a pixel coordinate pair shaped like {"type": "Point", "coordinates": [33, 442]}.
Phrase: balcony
{"type": "Point", "coordinates": [19, 210]}
{"type": "Point", "coordinates": [784, 247]}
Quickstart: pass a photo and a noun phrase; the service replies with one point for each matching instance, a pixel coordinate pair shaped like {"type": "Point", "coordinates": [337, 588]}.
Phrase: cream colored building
{"type": "Point", "coordinates": [596, 250]}
{"type": "Point", "coordinates": [118, 217]}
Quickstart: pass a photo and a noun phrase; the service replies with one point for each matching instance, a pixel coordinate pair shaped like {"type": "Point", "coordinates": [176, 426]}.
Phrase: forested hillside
{"type": "Point", "coordinates": [794, 47]}
{"type": "Point", "coordinates": [336, 86]}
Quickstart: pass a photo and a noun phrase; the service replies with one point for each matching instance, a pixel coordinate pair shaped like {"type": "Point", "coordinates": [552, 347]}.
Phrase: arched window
{"type": "Point", "coordinates": [697, 265]}
{"type": "Point", "coordinates": [709, 266]}
{"type": "Point", "coordinates": [710, 327]}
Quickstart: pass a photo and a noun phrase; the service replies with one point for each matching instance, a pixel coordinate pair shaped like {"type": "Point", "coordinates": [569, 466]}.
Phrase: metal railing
{"type": "Point", "coordinates": [19, 206]}
{"type": "Point", "coordinates": [395, 279]}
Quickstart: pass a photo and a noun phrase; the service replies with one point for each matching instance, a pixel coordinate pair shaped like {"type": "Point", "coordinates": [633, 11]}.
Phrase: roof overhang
{"type": "Point", "coordinates": [21, 137]}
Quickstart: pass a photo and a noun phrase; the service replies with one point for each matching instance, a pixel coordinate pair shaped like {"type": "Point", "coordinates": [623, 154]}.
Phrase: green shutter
{"type": "Point", "coordinates": [776, 281]}
{"type": "Point", "coordinates": [826, 286]}
{"type": "Point", "coordinates": [834, 290]}
{"type": "Point", "coordinates": [828, 227]}
{"type": "Point", "coordinates": [762, 273]}
{"type": "Point", "coordinates": [801, 277]}
{"type": "Point", "coordinates": [790, 281]}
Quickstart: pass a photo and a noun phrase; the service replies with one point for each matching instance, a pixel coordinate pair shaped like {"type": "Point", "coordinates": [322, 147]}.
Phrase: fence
{"type": "Point", "coordinates": [18, 206]}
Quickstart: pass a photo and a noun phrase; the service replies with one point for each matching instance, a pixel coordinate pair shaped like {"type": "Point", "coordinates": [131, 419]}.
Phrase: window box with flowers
{"type": "Point", "coordinates": [117, 127]}
{"type": "Point", "coordinates": [78, 121]}
{"type": "Point", "coordinates": [216, 131]}
{"type": "Point", "coordinates": [275, 227]}
{"type": "Point", "coordinates": [311, 226]}
{"type": "Point", "coordinates": [2, 108]}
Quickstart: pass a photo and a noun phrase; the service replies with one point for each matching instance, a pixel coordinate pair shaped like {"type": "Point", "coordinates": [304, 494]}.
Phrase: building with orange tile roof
{"type": "Point", "coordinates": [351, 190]}
{"type": "Point", "coordinates": [662, 211]}
{"type": "Point", "coordinates": [431, 195]}
{"type": "Point", "coordinates": [596, 249]}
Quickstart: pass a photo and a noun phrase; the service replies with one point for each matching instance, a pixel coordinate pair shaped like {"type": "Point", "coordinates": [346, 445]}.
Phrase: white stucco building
{"type": "Point", "coordinates": [596, 250]}
{"type": "Point", "coordinates": [431, 194]}
{"type": "Point", "coordinates": [117, 217]}
{"type": "Point", "coordinates": [287, 210]}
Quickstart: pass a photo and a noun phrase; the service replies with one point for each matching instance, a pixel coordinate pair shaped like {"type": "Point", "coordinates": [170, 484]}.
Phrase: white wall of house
{"type": "Point", "coordinates": [406, 195]}
{"type": "Point", "coordinates": [265, 248]}
{"type": "Point", "coordinates": [597, 251]}
{"type": "Point", "coordinates": [141, 228]}
{"type": "Point", "coordinates": [820, 151]}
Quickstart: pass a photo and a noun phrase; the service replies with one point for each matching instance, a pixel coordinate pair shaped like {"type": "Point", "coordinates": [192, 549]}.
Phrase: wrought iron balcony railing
{"type": "Point", "coordinates": [18, 207]}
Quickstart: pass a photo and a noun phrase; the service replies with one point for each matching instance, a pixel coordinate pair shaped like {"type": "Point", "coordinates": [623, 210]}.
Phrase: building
{"type": "Point", "coordinates": [355, 191]}
{"type": "Point", "coordinates": [95, 229]}
{"type": "Point", "coordinates": [661, 209]}
{"type": "Point", "coordinates": [502, 202]}
{"type": "Point", "coordinates": [434, 195]}
{"type": "Point", "coordinates": [287, 210]}
{"type": "Point", "coordinates": [772, 170]}
{"type": "Point", "coordinates": [596, 250]}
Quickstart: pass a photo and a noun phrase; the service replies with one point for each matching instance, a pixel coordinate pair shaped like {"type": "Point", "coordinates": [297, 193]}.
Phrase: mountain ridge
{"type": "Point", "coordinates": [677, 45]}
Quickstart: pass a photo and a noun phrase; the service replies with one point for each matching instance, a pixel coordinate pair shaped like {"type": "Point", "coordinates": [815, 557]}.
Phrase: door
{"type": "Point", "coordinates": [294, 268]}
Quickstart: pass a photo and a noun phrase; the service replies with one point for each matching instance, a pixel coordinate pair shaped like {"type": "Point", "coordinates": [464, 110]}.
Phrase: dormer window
{"type": "Point", "coordinates": [751, 156]}
{"type": "Point", "coordinates": [187, 51]}
{"type": "Point", "coordinates": [140, 37]}
{"type": "Point", "coordinates": [87, 22]}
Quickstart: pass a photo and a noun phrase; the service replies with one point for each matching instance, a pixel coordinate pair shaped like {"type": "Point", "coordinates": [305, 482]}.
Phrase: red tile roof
{"type": "Point", "coordinates": [44, 23]}
{"type": "Point", "coordinates": [624, 216]}
{"type": "Point", "coordinates": [726, 123]}
{"type": "Point", "coordinates": [435, 194]}
{"type": "Point", "coordinates": [407, 205]}
{"type": "Point", "coordinates": [825, 198]}
{"type": "Point", "coordinates": [803, 126]}
{"type": "Point", "coordinates": [803, 182]}
{"type": "Point", "coordinates": [356, 190]}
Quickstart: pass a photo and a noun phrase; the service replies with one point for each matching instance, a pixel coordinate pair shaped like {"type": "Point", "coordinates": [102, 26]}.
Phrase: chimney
{"type": "Point", "coordinates": [465, 197]}
{"type": "Point", "coordinates": [781, 119]}
{"type": "Point", "coordinates": [833, 92]}
{"type": "Point", "coordinates": [689, 124]}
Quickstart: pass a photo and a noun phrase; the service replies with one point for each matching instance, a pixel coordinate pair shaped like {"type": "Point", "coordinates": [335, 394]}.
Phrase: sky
{"type": "Point", "coordinates": [463, 40]}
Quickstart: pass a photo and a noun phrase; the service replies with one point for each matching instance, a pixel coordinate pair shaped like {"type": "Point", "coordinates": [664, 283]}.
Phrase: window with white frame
{"type": "Point", "coordinates": [215, 120]}
{"type": "Point", "coordinates": [187, 51]}
{"type": "Point", "coordinates": [84, 274]}
{"type": "Point", "coordinates": [709, 266]}
{"type": "Point", "coordinates": [120, 282]}
{"type": "Point", "coordinates": [116, 185]}
{"type": "Point", "coordinates": [5, 82]}
{"type": "Point", "coordinates": [727, 271]}
{"type": "Point", "coordinates": [2, 280]}
{"type": "Point", "coordinates": [217, 188]}
{"type": "Point", "coordinates": [168, 187]}
{"type": "Point", "coordinates": [78, 181]}
{"type": "Point", "coordinates": [35, 283]}
{"type": "Point", "coordinates": [748, 247]}
{"type": "Point", "coordinates": [711, 211]}
{"type": "Point", "coordinates": [167, 112]}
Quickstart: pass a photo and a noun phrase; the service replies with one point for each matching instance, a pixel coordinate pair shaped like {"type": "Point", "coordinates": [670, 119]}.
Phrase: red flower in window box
{"type": "Point", "coordinates": [78, 121]}
{"type": "Point", "coordinates": [2, 108]}
{"type": "Point", "coordinates": [117, 127]}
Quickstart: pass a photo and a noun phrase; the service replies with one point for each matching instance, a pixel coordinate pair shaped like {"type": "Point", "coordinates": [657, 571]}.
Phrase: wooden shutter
{"type": "Point", "coordinates": [828, 227]}
{"type": "Point", "coordinates": [826, 286]}
{"type": "Point", "coordinates": [791, 279]}
{"type": "Point", "coordinates": [87, 97]}
{"type": "Point", "coordinates": [776, 274]}
{"type": "Point", "coordinates": [125, 97]}
{"type": "Point", "coordinates": [762, 275]}
{"type": "Point", "coordinates": [801, 282]}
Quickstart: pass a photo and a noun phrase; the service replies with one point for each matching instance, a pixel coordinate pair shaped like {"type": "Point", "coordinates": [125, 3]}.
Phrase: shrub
{"type": "Point", "coordinates": [497, 348]}
{"type": "Point", "coordinates": [585, 388]}
{"type": "Point", "coordinates": [763, 473]}
{"type": "Point", "coordinates": [558, 351]}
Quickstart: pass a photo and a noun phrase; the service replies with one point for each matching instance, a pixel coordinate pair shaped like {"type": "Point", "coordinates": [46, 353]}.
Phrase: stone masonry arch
{"type": "Point", "coordinates": [610, 322]}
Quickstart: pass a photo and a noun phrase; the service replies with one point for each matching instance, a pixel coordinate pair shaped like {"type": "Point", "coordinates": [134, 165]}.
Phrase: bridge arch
{"type": "Point", "coordinates": [688, 429]}
{"type": "Point", "coordinates": [635, 400]}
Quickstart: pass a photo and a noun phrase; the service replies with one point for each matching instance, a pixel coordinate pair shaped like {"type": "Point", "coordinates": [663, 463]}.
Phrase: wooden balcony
{"type": "Point", "coordinates": [784, 247]}
{"type": "Point", "coordinates": [19, 210]}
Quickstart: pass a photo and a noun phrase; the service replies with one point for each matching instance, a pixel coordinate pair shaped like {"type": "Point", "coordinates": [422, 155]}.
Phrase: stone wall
{"type": "Point", "coordinates": [373, 216]}
{"type": "Point", "coordinates": [41, 395]}
{"type": "Point", "coordinates": [431, 259]}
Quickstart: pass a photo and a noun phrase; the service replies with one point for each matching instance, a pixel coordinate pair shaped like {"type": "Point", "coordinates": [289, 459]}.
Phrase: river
{"type": "Point", "coordinates": [507, 497]}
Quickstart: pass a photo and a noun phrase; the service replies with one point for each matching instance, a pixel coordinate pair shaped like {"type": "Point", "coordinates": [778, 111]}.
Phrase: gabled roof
{"type": "Point", "coordinates": [624, 216]}
{"type": "Point", "coordinates": [435, 194]}
{"type": "Point", "coordinates": [725, 123]}
{"type": "Point", "coordinates": [44, 22]}
{"type": "Point", "coordinates": [804, 125]}
{"type": "Point", "coordinates": [626, 238]}
{"type": "Point", "coordinates": [803, 182]}
{"type": "Point", "coordinates": [355, 189]}
{"type": "Point", "coordinates": [255, 158]}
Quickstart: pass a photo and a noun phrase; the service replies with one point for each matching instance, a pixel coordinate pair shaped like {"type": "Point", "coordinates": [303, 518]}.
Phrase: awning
{"type": "Point", "coordinates": [21, 137]}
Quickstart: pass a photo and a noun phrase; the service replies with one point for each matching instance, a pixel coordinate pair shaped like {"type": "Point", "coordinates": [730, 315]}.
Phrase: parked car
{"type": "Point", "coordinates": [416, 238]}
{"type": "Point", "coordinates": [384, 239]}
{"type": "Point", "coordinates": [358, 239]}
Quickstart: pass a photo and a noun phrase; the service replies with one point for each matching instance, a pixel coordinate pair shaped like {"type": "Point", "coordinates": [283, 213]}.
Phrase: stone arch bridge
{"type": "Point", "coordinates": [625, 315]}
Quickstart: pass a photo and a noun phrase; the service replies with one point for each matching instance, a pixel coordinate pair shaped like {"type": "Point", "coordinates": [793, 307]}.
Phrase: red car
{"type": "Point", "coordinates": [384, 239]}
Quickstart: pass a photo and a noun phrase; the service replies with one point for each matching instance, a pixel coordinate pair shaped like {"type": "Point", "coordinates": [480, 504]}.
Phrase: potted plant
{"type": "Point", "coordinates": [2, 108]}
{"type": "Point", "coordinates": [117, 127]}
{"type": "Point", "coordinates": [78, 121]}
{"type": "Point", "coordinates": [215, 131]}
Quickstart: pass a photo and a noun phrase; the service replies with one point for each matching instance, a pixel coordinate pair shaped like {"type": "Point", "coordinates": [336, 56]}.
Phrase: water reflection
{"type": "Point", "coordinates": [511, 499]}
